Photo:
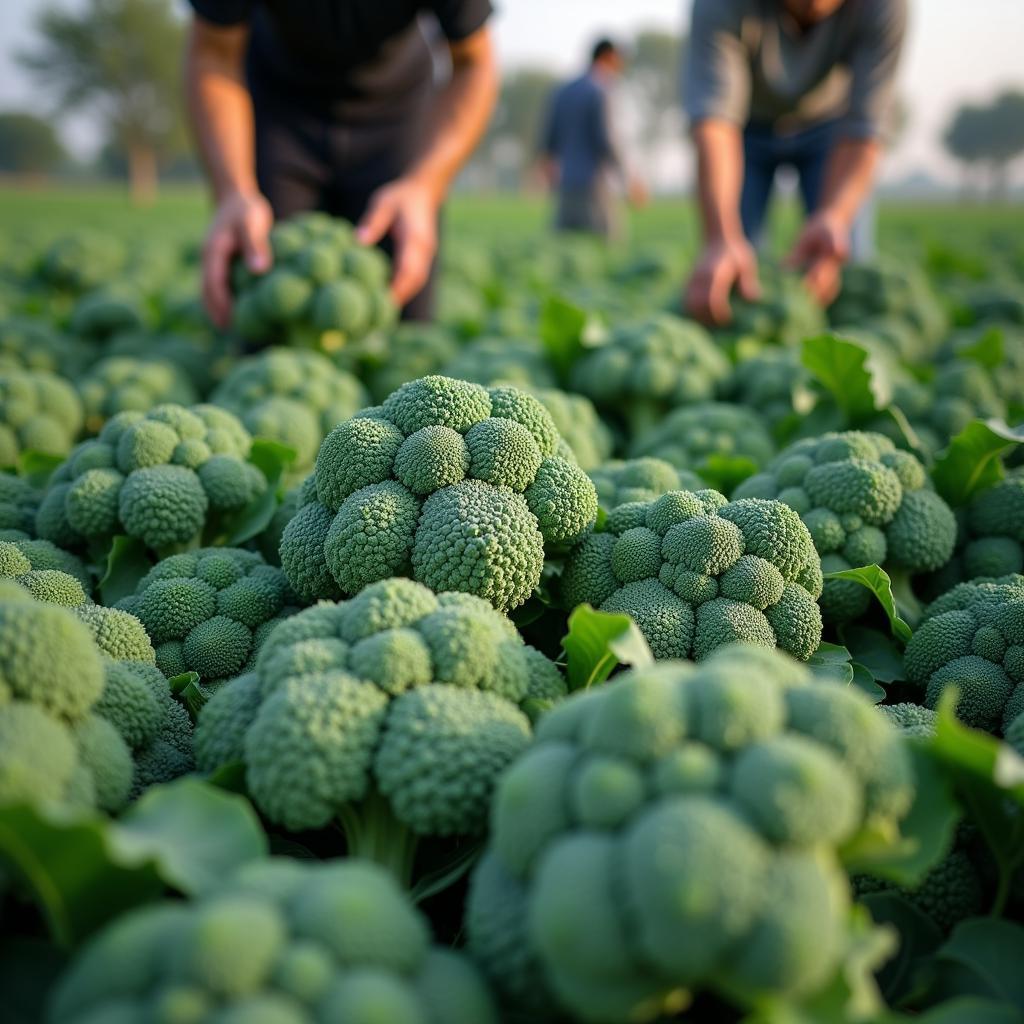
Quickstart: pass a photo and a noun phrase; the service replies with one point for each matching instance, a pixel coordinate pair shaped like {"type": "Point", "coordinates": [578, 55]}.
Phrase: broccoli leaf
{"type": "Point", "coordinates": [876, 579]}
{"type": "Point", "coordinates": [988, 349]}
{"type": "Point", "coordinates": [832, 662]}
{"type": "Point", "coordinates": [188, 693]}
{"type": "Point", "coordinates": [271, 458]}
{"type": "Point", "coordinates": [599, 641]}
{"type": "Point", "coordinates": [973, 459]}
{"type": "Point", "coordinates": [127, 563]}
{"type": "Point", "coordinates": [876, 651]}
{"type": "Point", "coordinates": [37, 467]}
{"type": "Point", "coordinates": [565, 330]}
{"type": "Point", "coordinates": [850, 373]}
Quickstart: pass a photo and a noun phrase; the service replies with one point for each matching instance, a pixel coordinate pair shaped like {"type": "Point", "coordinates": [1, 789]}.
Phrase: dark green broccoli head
{"type": "Point", "coordinates": [588, 439]}
{"type": "Point", "coordinates": [39, 412]}
{"type": "Point", "coordinates": [452, 483]}
{"type": "Point", "coordinates": [972, 638]}
{"type": "Point", "coordinates": [678, 828]}
{"type": "Point", "coordinates": [206, 610]}
{"type": "Point", "coordinates": [626, 481]}
{"type": "Point", "coordinates": [696, 571]}
{"type": "Point", "coordinates": [864, 502]}
{"type": "Point", "coordinates": [393, 711]}
{"type": "Point", "coordinates": [19, 502]}
{"type": "Point", "coordinates": [280, 941]}
{"type": "Point", "coordinates": [161, 477]}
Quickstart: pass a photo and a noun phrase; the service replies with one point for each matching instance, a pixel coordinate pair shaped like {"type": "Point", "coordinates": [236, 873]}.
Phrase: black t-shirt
{"type": "Point", "coordinates": [360, 59]}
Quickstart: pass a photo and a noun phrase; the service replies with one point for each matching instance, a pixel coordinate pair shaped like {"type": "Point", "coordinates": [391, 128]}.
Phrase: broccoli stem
{"type": "Point", "coordinates": [373, 833]}
{"type": "Point", "coordinates": [907, 602]}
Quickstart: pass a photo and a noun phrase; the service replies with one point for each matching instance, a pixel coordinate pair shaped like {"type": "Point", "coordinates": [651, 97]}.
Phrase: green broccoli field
{"type": "Point", "coordinates": [560, 661]}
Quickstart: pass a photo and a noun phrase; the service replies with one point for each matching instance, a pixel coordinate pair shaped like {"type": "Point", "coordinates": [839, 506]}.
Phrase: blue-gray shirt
{"type": "Point", "coordinates": [578, 133]}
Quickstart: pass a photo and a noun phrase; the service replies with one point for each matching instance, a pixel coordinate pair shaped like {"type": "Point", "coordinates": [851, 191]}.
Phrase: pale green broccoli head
{"type": "Point", "coordinates": [291, 396]}
{"type": "Point", "coordinates": [282, 941]}
{"type": "Point", "coordinates": [721, 442]}
{"type": "Point", "coordinates": [39, 412]}
{"type": "Point", "coordinates": [398, 706]}
{"type": "Point", "coordinates": [45, 571]}
{"type": "Point", "coordinates": [972, 638]}
{"type": "Point", "coordinates": [452, 483]}
{"type": "Point", "coordinates": [124, 383]}
{"type": "Point", "coordinates": [162, 477]}
{"type": "Point", "coordinates": [204, 610]}
{"type": "Point", "coordinates": [696, 571]}
{"type": "Point", "coordinates": [119, 635]}
{"type": "Point", "coordinates": [864, 502]}
{"type": "Point", "coordinates": [629, 481]}
{"type": "Point", "coordinates": [712, 800]}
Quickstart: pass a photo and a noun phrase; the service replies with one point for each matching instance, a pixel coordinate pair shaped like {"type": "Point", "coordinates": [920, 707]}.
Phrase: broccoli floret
{"type": "Point", "coordinates": [767, 382]}
{"type": "Point", "coordinates": [119, 635]}
{"type": "Point", "coordinates": [972, 637]}
{"type": "Point", "coordinates": [449, 482]}
{"type": "Point", "coordinates": [911, 719]}
{"type": "Point", "coordinates": [696, 571]}
{"type": "Point", "coordinates": [39, 411]}
{"type": "Point", "coordinates": [291, 396]}
{"type": "Point", "coordinates": [123, 383]}
{"type": "Point", "coordinates": [588, 439]}
{"type": "Point", "coordinates": [163, 478]}
{"type": "Point", "coordinates": [864, 502]}
{"type": "Point", "coordinates": [721, 443]}
{"type": "Point", "coordinates": [630, 481]}
{"type": "Point", "coordinates": [784, 314]}
{"type": "Point", "coordinates": [29, 562]}
{"type": "Point", "coordinates": [204, 609]}
{"type": "Point", "coordinates": [392, 713]}
{"type": "Point", "coordinates": [648, 367]}
{"type": "Point", "coordinates": [281, 941]}
{"type": "Point", "coordinates": [678, 828]}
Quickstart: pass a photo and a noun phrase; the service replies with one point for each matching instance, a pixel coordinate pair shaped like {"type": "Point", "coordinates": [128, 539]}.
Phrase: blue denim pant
{"type": "Point", "coordinates": [764, 152]}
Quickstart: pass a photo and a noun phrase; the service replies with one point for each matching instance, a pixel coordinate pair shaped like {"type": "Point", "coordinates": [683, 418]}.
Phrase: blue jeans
{"type": "Point", "coordinates": [764, 152]}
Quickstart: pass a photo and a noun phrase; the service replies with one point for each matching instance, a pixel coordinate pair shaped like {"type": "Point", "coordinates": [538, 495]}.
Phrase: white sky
{"type": "Point", "coordinates": [956, 50]}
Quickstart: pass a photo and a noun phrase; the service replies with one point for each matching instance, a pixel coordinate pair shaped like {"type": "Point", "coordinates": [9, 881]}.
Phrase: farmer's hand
{"type": "Point", "coordinates": [724, 263]}
{"type": "Point", "coordinates": [820, 251]}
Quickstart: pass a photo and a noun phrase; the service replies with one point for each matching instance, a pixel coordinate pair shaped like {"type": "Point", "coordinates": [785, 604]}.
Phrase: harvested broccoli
{"type": "Point", "coordinates": [392, 713]}
{"type": "Point", "coordinates": [972, 637]}
{"type": "Point", "coordinates": [720, 442]}
{"type": "Point", "coordinates": [131, 384]}
{"type": "Point", "coordinates": [291, 396]}
{"type": "Point", "coordinates": [588, 439]}
{"type": "Point", "coordinates": [648, 367]}
{"type": "Point", "coordinates": [518, 362]}
{"type": "Point", "coordinates": [162, 478]}
{"type": "Point", "coordinates": [678, 829]}
{"type": "Point", "coordinates": [451, 483]}
{"type": "Point", "coordinates": [209, 611]}
{"type": "Point", "coordinates": [864, 502]}
{"type": "Point", "coordinates": [696, 571]}
{"type": "Point", "coordinates": [622, 481]}
{"type": "Point", "coordinates": [278, 942]}
{"type": "Point", "coordinates": [323, 291]}
{"type": "Point", "coordinates": [39, 412]}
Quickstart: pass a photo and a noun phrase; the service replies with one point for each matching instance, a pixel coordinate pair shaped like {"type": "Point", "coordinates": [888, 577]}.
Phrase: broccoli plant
{"type": "Point", "coordinates": [456, 485]}
{"type": "Point", "coordinates": [123, 383]}
{"type": "Point", "coordinates": [392, 714]}
{"type": "Point", "coordinates": [678, 831]}
{"type": "Point", "coordinates": [285, 941]}
{"type": "Point", "coordinates": [864, 503]}
{"type": "Point", "coordinates": [39, 412]}
{"type": "Point", "coordinates": [165, 477]}
{"type": "Point", "coordinates": [696, 571]}
{"type": "Point", "coordinates": [291, 396]}
{"type": "Point", "coordinates": [209, 611]}
{"type": "Point", "coordinates": [623, 481]}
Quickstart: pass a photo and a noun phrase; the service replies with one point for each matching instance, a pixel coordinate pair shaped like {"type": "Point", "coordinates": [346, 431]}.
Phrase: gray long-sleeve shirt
{"type": "Point", "coordinates": [748, 60]}
{"type": "Point", "coordinates": [578, 133]}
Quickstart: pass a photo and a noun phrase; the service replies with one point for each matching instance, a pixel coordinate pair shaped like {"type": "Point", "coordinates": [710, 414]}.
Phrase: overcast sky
{"type": "Point", "coordinates": [956, 50]}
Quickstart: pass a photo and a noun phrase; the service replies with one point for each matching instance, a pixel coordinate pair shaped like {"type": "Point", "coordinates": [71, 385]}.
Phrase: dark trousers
{"type": "Point", "coordinates": [764, 152]}
{"type": "Point", "coordinates": [307, 160]}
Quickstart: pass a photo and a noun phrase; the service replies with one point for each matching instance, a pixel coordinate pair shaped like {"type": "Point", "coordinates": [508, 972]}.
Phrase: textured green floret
{"type": "Point", "coordinates": [576, 420]}
{"type": "Point", "coordinates": [39, 412]}
{"type": "Point", "coordinates": [972, 638]}
{"type": "Point", "coordinates": [624, 482]}
{"type": "Point", "coordinates": [447, 481]}
{"type": "Point", "coordinates": [393, 713]}
{"type": "Point", "coordinates": [864, 502]}
{"type": "Point", "coordinates": [678, 828]}
{"type": "Point", "coordinates": [696, 571]}
{"type": "Point", "coordinates": [278, 942]}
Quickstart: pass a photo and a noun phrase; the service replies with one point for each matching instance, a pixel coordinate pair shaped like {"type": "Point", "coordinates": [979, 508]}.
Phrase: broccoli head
{"type": "Point", "coordinates": [291, 396]}
{"type": "Point", "coordinates": [767, 381]}
{"type": "Point", "coordinates": [696, 571]}
{"type": "Point", "coordinates": [208, 611]}
{"type": "Point", "coordinates": [39, 412]}
{"type": "Point", "coordinates": [456, 485]}
{"type": "Point", "coordinates": [624, 481]}
{"type": "Point", "coordinates": [22, 556]}
{"type": "Point", "coordinates": [392, 713]}
{"type": "Point", "coordinates": [679, 828]}
{"type": "Point", "coordinates": [386, 361]}
{"type": "Point", "coordinates": [972, 638]}
{"type": "Point", "coordinates": [162, 477]}
{"type": "Point", "coordinates": [864, 502]}
{"type": "Point", "coordinates": [587, 437]}
{"type": "Point", "coordinates": [518, 362]}
{"type": "Point", "coordinates": [280, 941]}
{"type": "Point", "coordinates": [131, 384]}
{"type": "Point", "coordinates": [19, 501]}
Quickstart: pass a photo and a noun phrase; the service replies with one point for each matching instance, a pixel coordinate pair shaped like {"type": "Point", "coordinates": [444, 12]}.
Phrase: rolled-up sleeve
{"type": "Point", "coordinates": [459, 19]}
{"type": "Point", "coordinates": [874, 62]}
{"type": "Point", "coordinates": [223, 12]}
{"type": "Point", "coordinates": [716, 71]}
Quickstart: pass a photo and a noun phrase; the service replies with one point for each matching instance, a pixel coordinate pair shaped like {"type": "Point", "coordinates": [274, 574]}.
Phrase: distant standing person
{"type": "Point", "coordinates": [580, 151]}
{"type": "Point", "coordinates": [771, 83]}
